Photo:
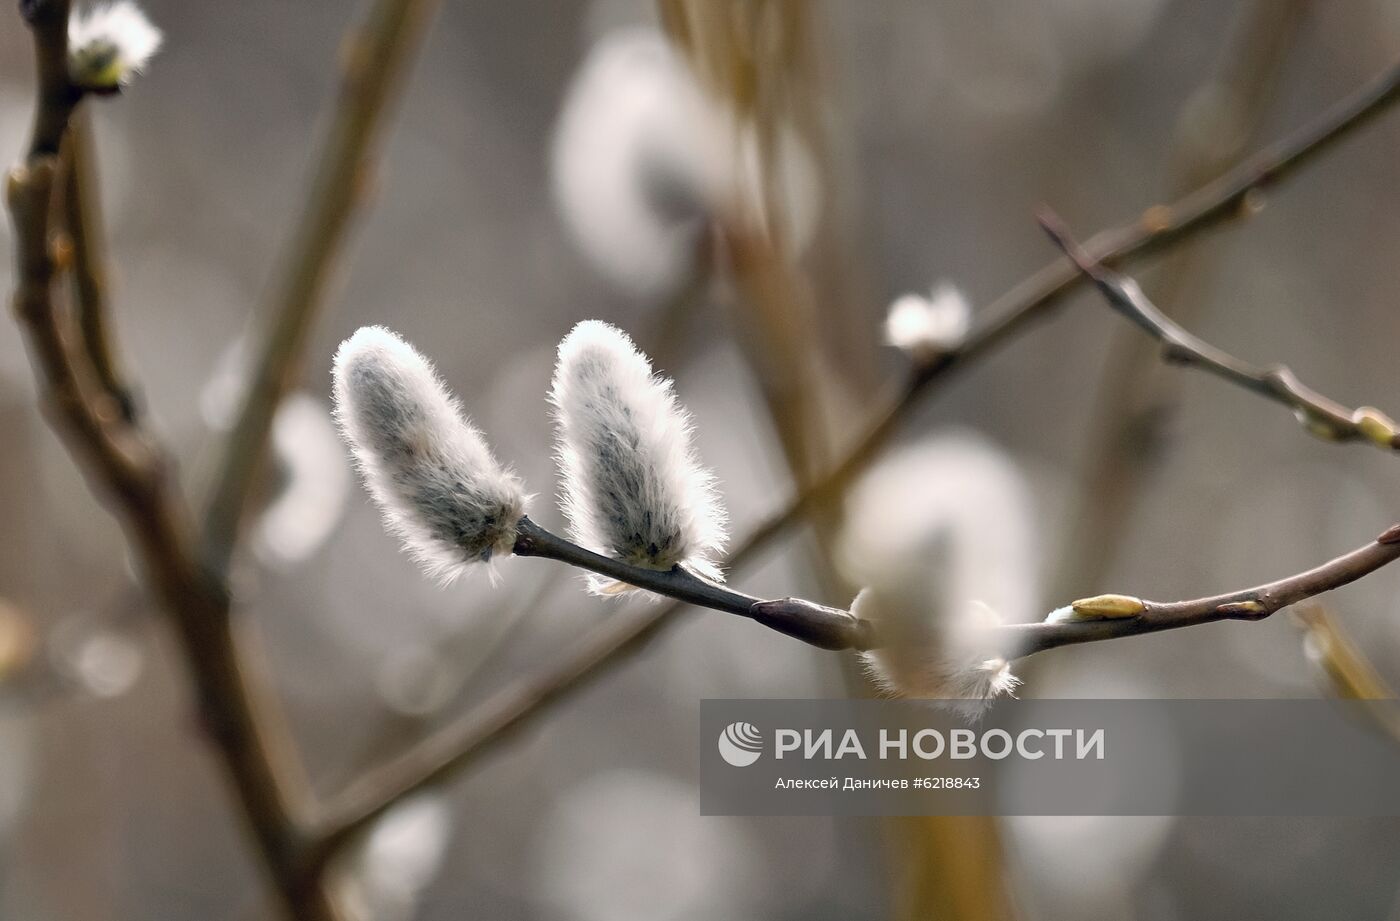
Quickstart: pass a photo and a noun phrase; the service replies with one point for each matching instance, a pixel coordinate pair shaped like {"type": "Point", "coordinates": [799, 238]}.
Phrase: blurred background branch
{"type": "Point", "coordinates": [374, 59]}
{"type": "Point", "coordinates": [1131, 419]}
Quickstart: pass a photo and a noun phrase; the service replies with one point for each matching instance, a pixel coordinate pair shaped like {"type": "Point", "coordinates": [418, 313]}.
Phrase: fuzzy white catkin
{"type": "Point", "coordinates": [944, 533]}
{"type": "Point", "coordinates": [110, 43]}
{"type": "Point", "coordinates": [926, 327]}
{"type": "Point", "coordinates": [428, 469]}
{"type": "Point", "coordinates": [633, 487]}
{"type": "Point", "coordinates": [645, 157]}
{"type": "Point", "coordinates": [956, 666]}
{"type": "Point", "coordinates": [637, 158]}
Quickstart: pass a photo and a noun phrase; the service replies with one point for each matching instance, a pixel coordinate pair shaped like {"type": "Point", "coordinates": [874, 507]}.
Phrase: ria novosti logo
{"type": "Point", "coordinates": [740, 744]}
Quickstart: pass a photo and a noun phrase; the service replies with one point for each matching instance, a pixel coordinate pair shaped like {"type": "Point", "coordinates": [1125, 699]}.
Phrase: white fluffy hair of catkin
{"type": "Point", "coordinates": [441, 491]}
{"type": "Point", "coordinates": [109, 43]}
{"type": "Point", "coordinates": [954, 666]}
{"type": "Point", "coordinates": [943, 533]}
{"type": "Point", "coordinates": [633, 487]}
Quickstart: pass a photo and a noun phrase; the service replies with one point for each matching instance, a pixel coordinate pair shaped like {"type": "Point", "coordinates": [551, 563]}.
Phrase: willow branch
{"type": "Point", "coordinates": [1320, 415]}
{"type": "Point", "coordinates": [1250, 604]}
{"type": "Point", "coordinates": [826, 628]}
{"type": "Point", "coordinates": [445, 752]}
{"type": "Point", "coordinates": [57, 96]}
{"type": "Point", "coordinates": [375, 57]}
{"type": "Point", "coordinates": [131, 470]}
{"type": "Point", "coordinates": [508, 710]}
{"type": "Point", "coordinates": [83, 221]}
{"type": "Point", "coordinates": [133, 474]}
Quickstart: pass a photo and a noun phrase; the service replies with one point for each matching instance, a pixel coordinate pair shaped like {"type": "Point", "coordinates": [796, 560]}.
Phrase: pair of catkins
{"type": "Point", "coordinates": [633, 488]}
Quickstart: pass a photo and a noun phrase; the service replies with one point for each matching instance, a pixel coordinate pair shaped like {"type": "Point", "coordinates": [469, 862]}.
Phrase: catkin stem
{"type": "Point", "coordinates": [827, 628]}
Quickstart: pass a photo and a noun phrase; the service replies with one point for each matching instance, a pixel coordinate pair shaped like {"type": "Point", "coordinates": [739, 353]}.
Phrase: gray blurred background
{"type": "Point", "coordinates": [946, 125]}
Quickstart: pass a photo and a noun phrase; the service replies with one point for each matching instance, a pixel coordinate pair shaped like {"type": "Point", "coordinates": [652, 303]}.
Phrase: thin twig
{"type": "Point", "coordinates": [1133, 397]}
{"type": "Point", "coordinates": [83, 221]}
{"type": "Point", "coordinates": [1250, 604]}
{"type": "Point", "coordinates": [1320, 415]}
{"type": "Point", "coordinates": [826, 628]}
{"type": "Point", "coordinates": [375, 57]}
{"type": "Point", "coordinates": [470, 648]}
{"type": "Point", "coordinates": [511, 708]}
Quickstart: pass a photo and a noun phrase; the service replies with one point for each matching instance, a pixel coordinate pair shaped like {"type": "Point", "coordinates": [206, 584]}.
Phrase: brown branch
{"type": "Point", "coordinates": [375, 56]}
{"type": "Point", "coordinates": [1250, 604]}
{"type": "Point", "coordinates": [1320, 415]}
{"type": "Point", "coordinates": [823, 627]}
{"type": "Point", "coordinates": [484, 727]}
{"type": "Point", "coordinates": [472, 645]}
{"type": "Point", "coordinates": [511, 708]}
{"type": "Point", "coordinates": [82, 216]}
{"type": "Point", "coordinates": [57, 97]}
{"type": "Point", "coordinates": [129, 468]}
{"type": "Point", "coordinates": [134, 476]}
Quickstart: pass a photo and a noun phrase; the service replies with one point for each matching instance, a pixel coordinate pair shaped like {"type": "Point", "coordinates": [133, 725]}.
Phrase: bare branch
{"type": "Point", "coordinates": [1320, 415]}
{"type": "Point", "coordinates": [826, 628]}
{"type": "Point", "coordinates": [375, 57]}
{"type": "Point", "coordinates": [83, 222]}
{"type": "Point", "coordinates": [1250, 604]}
{"type": "Point", "coordinates": [490, 724]}
{"type": "Point", "coordinates": [131, 471]}
{"type": "Point", "coordinates": [57, 97]}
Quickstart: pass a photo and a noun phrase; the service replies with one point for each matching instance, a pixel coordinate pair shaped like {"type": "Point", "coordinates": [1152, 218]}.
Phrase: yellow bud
{"type": "Point", "coordinates": [1105, 606]}
{"type": "Point", "coordinates": [1317, 426]}
{"type": "Point", "coordinates": [1249, 608]}
{"type": "Point", "coordinates": [97, 66]}
{"type": "Point", "coordinates": [1157, 218]}
{"type": "Point", "coordinates": [1375, 425]}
